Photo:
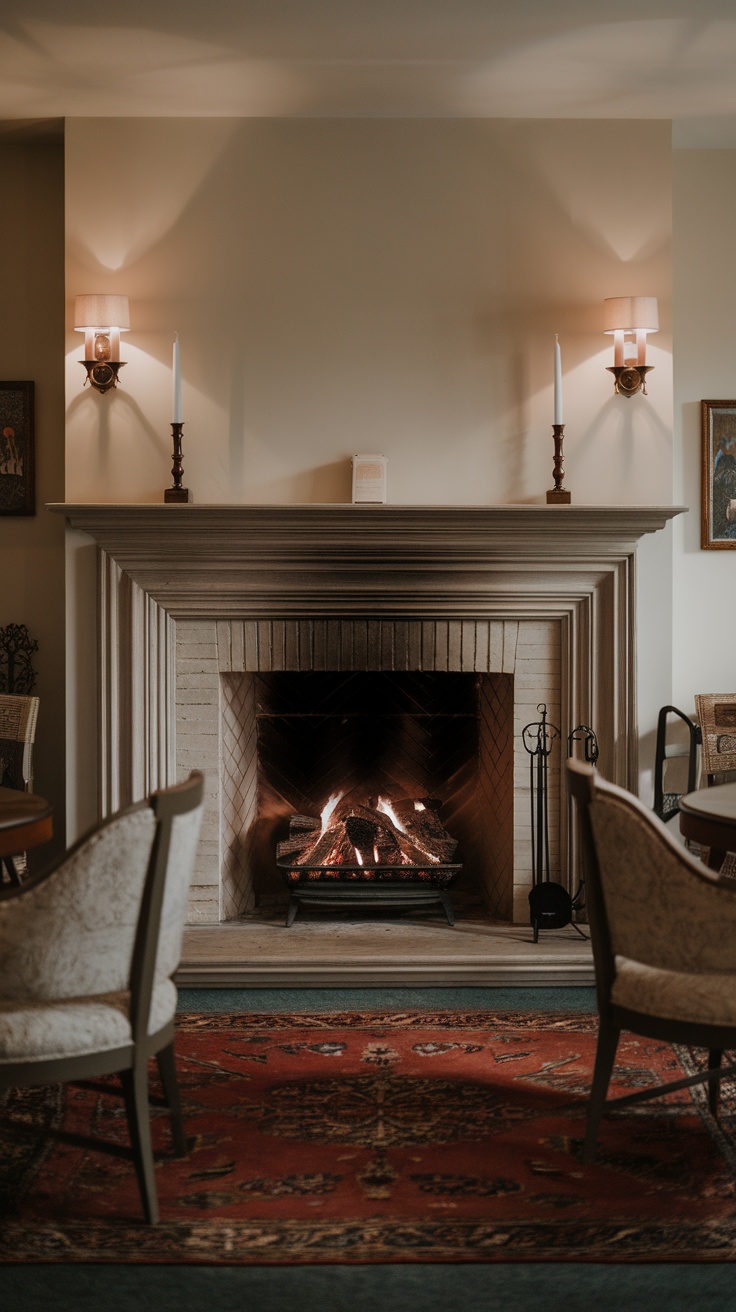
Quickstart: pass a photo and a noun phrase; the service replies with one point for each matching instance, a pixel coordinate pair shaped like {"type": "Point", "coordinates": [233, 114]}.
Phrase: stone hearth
{"type": "Point", "coordinates": [193, 595]}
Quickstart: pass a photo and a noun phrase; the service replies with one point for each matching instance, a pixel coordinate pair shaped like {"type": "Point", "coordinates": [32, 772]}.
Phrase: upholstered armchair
{"type": "Point", "coordinates": [87, 953]}
{"type": "Point", "coordinates": [663, 932]}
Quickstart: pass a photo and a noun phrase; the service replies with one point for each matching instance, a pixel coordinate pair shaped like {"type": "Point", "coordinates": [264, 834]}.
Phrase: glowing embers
{"type": "Point", "coordinates": [373, 851]}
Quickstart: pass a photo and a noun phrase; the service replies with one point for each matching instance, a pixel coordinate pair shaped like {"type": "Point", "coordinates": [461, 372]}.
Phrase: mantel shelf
{"type": "Point", "coordinates": [411, 533]}
{"type": "Point", "coordinates": [262, 560]}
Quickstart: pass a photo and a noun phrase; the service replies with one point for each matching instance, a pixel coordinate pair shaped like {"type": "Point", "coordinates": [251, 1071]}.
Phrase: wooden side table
{"type": "Point", "coordinates": [708, 817]}
{"type": "Point", "coordinates": [25, 822]}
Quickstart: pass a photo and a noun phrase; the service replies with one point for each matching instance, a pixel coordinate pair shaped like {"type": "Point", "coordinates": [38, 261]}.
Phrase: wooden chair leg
{"type": "Point", "coordinates": [714, 1086]}
{"type": "Point", "coordinates": [608, 1036]}
{"type": "Point", "coordinates": [11, 866]}
{"type": "Point", "coordinates": [135, 1089]}
{"type": "Point", "coordinates": [167, 1071]}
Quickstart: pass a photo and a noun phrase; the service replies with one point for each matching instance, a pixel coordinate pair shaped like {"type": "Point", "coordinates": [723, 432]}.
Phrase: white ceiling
{"type": "Point", "coordinates": [671, 59]}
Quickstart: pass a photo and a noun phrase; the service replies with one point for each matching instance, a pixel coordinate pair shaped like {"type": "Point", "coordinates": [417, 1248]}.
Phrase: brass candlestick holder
{"type": "Point", "coordinates": [176, 493]}
{"type": "Point", "coordinates": [558, 495]}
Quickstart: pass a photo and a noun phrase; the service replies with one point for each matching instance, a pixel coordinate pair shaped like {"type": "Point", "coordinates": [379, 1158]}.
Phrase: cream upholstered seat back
{"type": "Point", "coordinates": [84, 913]}
{"type": "Point", "coordinates": [663, 908]}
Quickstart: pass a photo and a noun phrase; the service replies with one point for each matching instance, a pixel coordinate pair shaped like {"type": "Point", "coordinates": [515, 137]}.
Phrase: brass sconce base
{"type": "Point", "coordinates": [177, 494]}
{"type": "Point", "coordinates": [558, 495]}
{"type": "Point", "coordinates": [102, 374]}
{"type": "Point", "coordinates": [628, 379]}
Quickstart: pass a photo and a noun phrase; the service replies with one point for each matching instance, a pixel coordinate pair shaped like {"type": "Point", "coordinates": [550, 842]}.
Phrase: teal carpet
{"type": "Point", "coordinates": [416, 1288]}
{"type": "Point", "coordinates": [543, 1287]}
{"type": "Point", "coordinates": [569, 999]}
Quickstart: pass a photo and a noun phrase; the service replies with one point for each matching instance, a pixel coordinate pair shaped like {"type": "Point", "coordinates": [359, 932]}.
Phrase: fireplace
{"type": "Point", "coordinates": [536, 603]}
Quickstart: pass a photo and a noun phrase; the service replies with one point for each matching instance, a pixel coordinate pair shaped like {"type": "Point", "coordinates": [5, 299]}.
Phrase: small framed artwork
{"type": "Point", "coordinates": [17, 472]}
{"type": "Point", "coordinates": [369, 479]}
{"type": "Point", "coordinates": [718, 520]}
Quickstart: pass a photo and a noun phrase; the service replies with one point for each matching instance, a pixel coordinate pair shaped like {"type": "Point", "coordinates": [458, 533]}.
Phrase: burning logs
{"type": "Point", "coordinates": [379, 852]}
{"type": "Point", "coordinates": [398, 841]}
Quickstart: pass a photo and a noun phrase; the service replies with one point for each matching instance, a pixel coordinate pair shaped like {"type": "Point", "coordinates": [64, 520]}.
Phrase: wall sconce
{"type": "Point", "coordinates": [102, 319]}
{"type": "Point", "coordinates": [630, 318]}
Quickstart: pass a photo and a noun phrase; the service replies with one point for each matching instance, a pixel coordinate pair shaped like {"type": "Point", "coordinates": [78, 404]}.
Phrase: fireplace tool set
{"type": "Point", "coordinates": [550, 904]}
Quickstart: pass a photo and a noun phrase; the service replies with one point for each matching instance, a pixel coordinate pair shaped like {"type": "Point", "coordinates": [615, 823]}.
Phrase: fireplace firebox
{"type": "Point", "coordinates": [374, 787]}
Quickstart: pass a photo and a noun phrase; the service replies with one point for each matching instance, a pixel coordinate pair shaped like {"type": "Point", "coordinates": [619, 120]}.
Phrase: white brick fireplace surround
{"type": "Point", "coordinates": [193, 598]}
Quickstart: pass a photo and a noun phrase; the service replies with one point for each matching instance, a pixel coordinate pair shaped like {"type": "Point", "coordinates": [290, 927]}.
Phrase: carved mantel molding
{"type": "Point", "coordinates": [163, 563]}
{"type": "Point", "coordinates": [197, 560]}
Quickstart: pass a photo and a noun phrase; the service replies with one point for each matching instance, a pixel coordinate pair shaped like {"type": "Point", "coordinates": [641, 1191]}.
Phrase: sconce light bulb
{"type": "Point", "coordinates": [102, 346]}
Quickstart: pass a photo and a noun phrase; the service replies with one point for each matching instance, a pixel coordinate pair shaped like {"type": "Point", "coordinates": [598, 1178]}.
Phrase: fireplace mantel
{"type": "Point", "coordinates": [212, 560]}
{"type": "Point", "coordinates": [163, 564]}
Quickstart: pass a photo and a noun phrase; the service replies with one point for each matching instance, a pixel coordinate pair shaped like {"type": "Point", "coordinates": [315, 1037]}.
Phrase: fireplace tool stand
{"type": "Point", "coordinates": [550, 904]}
{"type": "Point", "coordinates": [585, 735]}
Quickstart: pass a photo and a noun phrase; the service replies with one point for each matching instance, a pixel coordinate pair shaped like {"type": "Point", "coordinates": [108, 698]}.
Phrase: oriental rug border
{"type": "Point", "coordinates": [379, 1137]}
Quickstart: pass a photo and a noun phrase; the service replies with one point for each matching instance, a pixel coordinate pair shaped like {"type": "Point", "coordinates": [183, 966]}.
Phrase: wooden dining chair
{"type": "Point", "coordinates": [716, 715]}
{"type": "Point", "coordinates": [671, 752]}
{"type": "Point", "coordinates": [18, 718]}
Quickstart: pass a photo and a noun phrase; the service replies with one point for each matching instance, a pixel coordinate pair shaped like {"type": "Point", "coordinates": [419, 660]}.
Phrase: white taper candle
{"type": "Point", "coordinates": [558, 382]}
{"type": "Point", "coordinates": [177, 381]}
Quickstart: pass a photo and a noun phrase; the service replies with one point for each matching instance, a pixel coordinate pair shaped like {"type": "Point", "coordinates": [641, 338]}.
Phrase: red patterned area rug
{"type": "Point", "coordinates": [378, 1137]}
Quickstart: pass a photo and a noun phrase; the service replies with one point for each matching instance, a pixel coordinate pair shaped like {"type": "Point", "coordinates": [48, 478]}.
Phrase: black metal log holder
{"type": "Point", "coordinates": [550, 904]}
{"type": "Point", "coordinates": [386, 888]}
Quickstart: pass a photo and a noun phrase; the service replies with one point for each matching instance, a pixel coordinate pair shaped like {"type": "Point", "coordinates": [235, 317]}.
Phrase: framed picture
{"type": "Point", "coordinates": [17, 473]}
{"type": "Point", "coordinates": [718, 520]}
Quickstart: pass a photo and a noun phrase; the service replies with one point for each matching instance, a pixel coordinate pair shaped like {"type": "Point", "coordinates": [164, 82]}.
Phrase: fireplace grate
{"type": "Point", "coordinates": [375, 853]}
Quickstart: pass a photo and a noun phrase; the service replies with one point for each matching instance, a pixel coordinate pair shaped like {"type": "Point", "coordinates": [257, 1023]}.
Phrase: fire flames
{"type": "Point", "coordinates": [374, 839]}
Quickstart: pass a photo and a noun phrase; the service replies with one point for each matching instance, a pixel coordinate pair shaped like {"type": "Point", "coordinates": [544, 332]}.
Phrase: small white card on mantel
{"type": "Point", "coordinates": [369, 478]}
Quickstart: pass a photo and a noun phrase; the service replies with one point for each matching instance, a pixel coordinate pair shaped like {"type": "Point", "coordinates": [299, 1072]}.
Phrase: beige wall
{"type": "Point", "coordinates": [31, 347]}
{"type": "Point", "coordinates": [367, 285]}
{"type": "Point", "coordinates": [355, 285]}
{"type": "Point", "coordinates": [704, 275]}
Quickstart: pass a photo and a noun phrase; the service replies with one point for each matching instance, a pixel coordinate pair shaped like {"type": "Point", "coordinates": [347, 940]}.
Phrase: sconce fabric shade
{"type": "Point", "coordinates": [101, 313]}
{"type": "Point", "coordinates": [630, 313]}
